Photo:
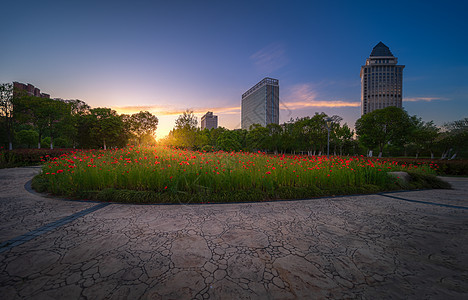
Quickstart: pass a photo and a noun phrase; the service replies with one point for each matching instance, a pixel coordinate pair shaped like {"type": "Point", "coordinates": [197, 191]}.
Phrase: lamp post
{"type": "Point", "coordinates": [328, 121]}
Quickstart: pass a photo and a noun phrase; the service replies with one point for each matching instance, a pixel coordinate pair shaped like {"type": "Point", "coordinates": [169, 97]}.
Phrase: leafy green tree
{"type": "Point", "coordinates": [107, 127]}
{"type": "Point", "coordinates": [455, 138]}
{"type": "Point", "coordinates": [229, 141]}
{"type": "Point", "coordinates": [58, 113]}
{"type": "Point", "coordinates": [257, 137]}
{"type": "Point", "coordinates": [311, 133]}
{"type": "Point", "coordinates": [185, 131]}
{"type": "Point", "coordinates": [71, 128]}
{"type": "Point", "coordinates": [342, 135]}
{"type": "Point", "coordinates": [30, 109]}
{"type": "Point", "coordinates": [424, 135]}
{"type": "Point", "coordinates": [204, 139]}
{"type": "Point", "coordinates": [214, 134]}
{"type": "Point", "coordinates": [46, 115]}
{"type": "Point", "coordinates": [274, 140]}
{"type": "Point", "coordinates": [142, 125]}
{"type": "Point", "coordinates": [6, 112]}
{"type": "Point", "coordinates": [288, 142]}
{"type": "Point", "coordinates": [26, 138]}
{"type": "Point", "coordinates": [383, 126]}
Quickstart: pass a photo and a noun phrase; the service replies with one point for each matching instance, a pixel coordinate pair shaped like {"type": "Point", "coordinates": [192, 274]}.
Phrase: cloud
{"type": "Point", "coordinates": [168, 111]}
{"type": "Point", "coordinates": [426, 99]}
{"type": "Point", "coordinates": [270, 58]}
{"type": "Point", "coordinates": [304, 96]}
{"type": "Point", "coordinates": [324, 103]}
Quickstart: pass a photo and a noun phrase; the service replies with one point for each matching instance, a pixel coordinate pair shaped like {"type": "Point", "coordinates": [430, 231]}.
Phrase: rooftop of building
{"type": "Point", "coordinates": [381, 50]}
{"type": "Point", "coordinates": [264, 81]}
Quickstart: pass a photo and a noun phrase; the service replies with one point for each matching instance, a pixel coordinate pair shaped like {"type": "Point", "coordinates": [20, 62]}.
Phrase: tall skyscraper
{"type": "Point", "coordinates": [260, 104]}
{"type": "Point", "coordinates": [381, 80]}
{"type": "Point", "coordinates": [209, 121]}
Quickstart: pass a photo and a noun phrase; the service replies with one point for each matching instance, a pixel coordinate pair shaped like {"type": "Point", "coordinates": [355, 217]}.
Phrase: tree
{"type": "Point", "coordinates": [6, 111]}
{"type": "Point", "coordinates": [383, 126]}
{"type": "Point", "coordinates": [58, 114]}
{"type": "Point", "coordinates": [257, 137]}
{"type": "Point", "coordinates": [288, 142]}
{"type": "Point", "coordinates": [214, 134]}
{"type": "Point", "coordinates": [424, 135]}
{"type": "Point", "coordinates": [229, 141]}
{"type": "Point", "coordinates": [311, 133]}
{"type": "Point", "coordinates": [185, 131]}
{"type": "Point", "coordinates": [26, 138]}
{"type": "Point", "coordinates": [46, 115]}
{"type": "Point", "coordinates": [456, 137]}
{"type": "Point", "coordinates": [142, 124]}
{"type": "Point", "coordinates": [342, 135]}
{"type": "Point", "coordinates": [275, 132]}
{"type": "Point", "coordinates": [186, 120]}
{"type": "Point", "coordinates": [78, 110]}
{"type": "Point", "coordinates": [106, 127]}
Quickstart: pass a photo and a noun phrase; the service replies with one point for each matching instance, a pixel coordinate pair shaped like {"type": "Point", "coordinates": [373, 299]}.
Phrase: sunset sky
{"type": "Point", "coordinates": [168, 56]}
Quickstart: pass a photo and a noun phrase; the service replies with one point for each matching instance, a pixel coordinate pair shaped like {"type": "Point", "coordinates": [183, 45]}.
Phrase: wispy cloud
{"type": "Point", "coordinates": [324, 103]}
{"type": "Point", "coordinates": [270, 58]}
{"type": "Point", "coordinates": [167, 111]}
{"type": "Point", "coordinates": [426, 99]}
{"type": "Point", "coordinates": [304, 95]}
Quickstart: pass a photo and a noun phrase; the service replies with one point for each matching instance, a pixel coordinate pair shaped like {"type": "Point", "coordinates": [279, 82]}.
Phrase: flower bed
{"type": "Point", "coordinates": [162, 174]}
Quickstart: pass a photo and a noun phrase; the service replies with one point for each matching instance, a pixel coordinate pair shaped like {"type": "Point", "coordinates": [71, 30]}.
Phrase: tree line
{"type": "Point", "coordinates": [389, 131]}
{"type": "Point", "coordinates": [28, 121]}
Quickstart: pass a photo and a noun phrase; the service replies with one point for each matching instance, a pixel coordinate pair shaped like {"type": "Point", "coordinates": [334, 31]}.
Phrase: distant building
{"type": "Point", "coordinates": [28, 89]}
{"type": "Point", "coordinates": [260, 104]}
{"type": "Point", "coordinates": [209, 121]}
{"type": "Point", "coordinates": [381, 80]}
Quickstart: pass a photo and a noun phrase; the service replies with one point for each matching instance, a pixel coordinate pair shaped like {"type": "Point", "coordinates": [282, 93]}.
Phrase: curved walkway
{"type": "Point", "coordinates": [391, 245]}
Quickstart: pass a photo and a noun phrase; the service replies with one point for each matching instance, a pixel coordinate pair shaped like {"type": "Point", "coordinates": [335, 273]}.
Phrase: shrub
{"type": "Point", "coordinates": [29, 157]}
{"type": "Point", "coordinates": [457, 167]}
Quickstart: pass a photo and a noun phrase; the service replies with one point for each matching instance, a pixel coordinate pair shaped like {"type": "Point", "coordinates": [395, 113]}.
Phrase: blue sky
{"type": "Point", "coordinates": [167, 56]}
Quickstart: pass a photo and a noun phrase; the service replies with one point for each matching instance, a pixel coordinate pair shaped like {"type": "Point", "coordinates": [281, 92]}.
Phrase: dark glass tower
{"type": "Point", "coordinates": [260, 104]}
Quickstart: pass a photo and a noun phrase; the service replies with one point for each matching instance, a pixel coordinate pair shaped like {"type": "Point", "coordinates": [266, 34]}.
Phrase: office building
{"type": "Point", "coordinates": [209, 121]}
{"type": "Point", "coordinates": [27, 89]}
{"type": "Point", "coordinates": [260, 104]}
{"type": "Point", "coordinates": [381, 80]}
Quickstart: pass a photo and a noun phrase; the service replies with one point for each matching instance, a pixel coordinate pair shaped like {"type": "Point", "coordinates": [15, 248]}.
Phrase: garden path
{"type": "Point", "coordinates": [391, 245]}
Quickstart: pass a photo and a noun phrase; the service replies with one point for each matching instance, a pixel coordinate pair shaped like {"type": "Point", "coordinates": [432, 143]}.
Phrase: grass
{"type": "Point", "coordinates": [167, 175]}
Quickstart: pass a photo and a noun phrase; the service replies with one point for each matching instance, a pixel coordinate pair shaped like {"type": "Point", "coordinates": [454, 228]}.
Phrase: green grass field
{"type": "Point", "coordinates": [166, 175]}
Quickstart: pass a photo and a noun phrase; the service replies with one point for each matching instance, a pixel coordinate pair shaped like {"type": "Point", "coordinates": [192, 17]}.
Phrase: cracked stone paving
{"type": "Point", "coordinates": [385, 246]}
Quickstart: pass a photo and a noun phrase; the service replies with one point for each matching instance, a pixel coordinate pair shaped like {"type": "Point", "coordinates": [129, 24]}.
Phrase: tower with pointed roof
{"type": "Point", "coordinates": [381, 80]}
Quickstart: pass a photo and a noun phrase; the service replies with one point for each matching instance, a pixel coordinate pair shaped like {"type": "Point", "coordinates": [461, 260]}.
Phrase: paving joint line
{"type": "Point", "coordinates": [7, 245]}
{"type": "Point", "coordinates": [425, 202]}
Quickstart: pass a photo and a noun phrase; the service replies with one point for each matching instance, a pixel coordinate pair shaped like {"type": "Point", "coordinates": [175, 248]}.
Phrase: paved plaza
{"type": "Point", "coordinates": [386, 246]}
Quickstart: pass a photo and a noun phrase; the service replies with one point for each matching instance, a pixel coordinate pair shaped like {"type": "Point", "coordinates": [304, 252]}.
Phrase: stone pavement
{"type": "Point", "coordinates": [392, 245]}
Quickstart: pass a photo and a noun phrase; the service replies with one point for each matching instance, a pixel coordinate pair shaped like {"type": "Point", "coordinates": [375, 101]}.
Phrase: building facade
{"type": "Point", "coordinates": [260, 104]}
{"type": "Point", "coordinates": [381, 80]}
{"type": "Point", "coordinates": [28, 89]}
{"type": "Point", "coordinates": [209, 121]}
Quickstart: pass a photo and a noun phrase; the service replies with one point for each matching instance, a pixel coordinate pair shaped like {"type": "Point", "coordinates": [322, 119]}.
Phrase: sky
{"type": "Point", "coordinates": [169, 56]}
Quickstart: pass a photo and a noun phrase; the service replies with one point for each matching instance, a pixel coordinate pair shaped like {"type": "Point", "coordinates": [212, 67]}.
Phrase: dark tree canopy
{"type": "Point", "coordinates": [383, 126]}
{"type": "Point", "coordinates": [141, 125]}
